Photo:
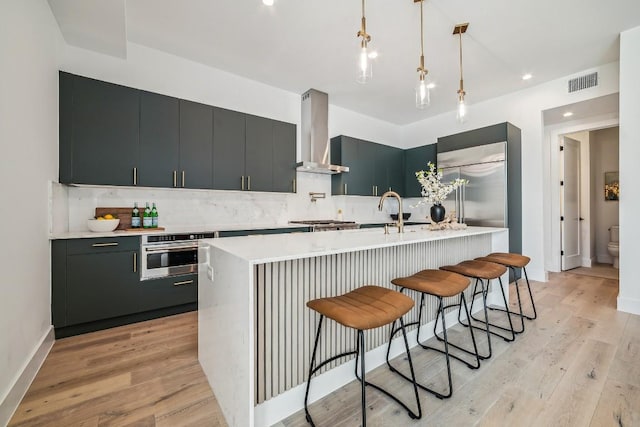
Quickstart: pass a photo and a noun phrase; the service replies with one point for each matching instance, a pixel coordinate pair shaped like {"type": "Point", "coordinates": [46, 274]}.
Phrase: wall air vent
{"type": "Point", "coordinates": [583, 82]}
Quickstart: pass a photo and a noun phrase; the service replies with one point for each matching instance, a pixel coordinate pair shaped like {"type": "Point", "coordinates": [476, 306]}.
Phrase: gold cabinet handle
{"type": "Point", "coordinates": [184, 282]}
{"type": "Point", "coordinates": [101, 245]}
{"type": "Point", "coordinates": [345, 188]}
{"type": "Point", "coordinates": [175, 179]}
{"type": "Point", "coordinates": [249, 182]}
{"type": "Point", "coordinates": [242, 183]}
{"type": "Point", "coordinates": [295, 190]}
{"type": "Point", "coordinates": [135, 176]}
{"type": "Point", "coordinates": [182, 179]}
{"type": "Point", "coordinates": [373, 190]}
{"type": "Point", "coordinates": [135, 262]}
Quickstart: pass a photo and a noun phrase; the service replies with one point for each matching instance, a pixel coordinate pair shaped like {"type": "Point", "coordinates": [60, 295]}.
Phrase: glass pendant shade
{"type": "Point", "coordinates": [461, 111]}
{"type": "Point", "coordinates": [365, 69]}
{"type": "Point", "coordinates": [423, 94]}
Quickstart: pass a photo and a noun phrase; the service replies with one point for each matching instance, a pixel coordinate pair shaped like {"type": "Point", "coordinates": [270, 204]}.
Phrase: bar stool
{"type": "Point", "coordinates": [364, 308]}
{"type": "Point", "coordinates": [440, 284]}
{"type": "Point", "coordinates": [513, 261]}
{"type": "Point", "coordinates": [483, 270]}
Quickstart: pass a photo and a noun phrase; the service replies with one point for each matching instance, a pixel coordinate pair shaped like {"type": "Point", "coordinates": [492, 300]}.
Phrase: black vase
{"type": "Point", "coordinates": [437, 213]}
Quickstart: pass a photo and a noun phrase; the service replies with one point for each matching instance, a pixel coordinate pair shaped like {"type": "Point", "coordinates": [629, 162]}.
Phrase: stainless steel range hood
{"type": "Point", "coordinates": [316, 152]}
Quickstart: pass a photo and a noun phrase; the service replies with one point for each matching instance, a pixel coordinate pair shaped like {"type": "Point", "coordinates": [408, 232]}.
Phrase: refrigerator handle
{"type": "Point", "coordinates": [463, 198]}
{"type": "Point", "coordinates": [458, 191]}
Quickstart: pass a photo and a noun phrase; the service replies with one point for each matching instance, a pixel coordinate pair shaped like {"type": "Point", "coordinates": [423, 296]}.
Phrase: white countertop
{"type": "Point", "coordinates": [86, 234]}
{"type": "Point", "coordinates": [280, 247]}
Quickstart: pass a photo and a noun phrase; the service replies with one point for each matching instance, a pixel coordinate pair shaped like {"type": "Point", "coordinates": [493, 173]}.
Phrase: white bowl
{"type": "Point", "coordinates": [102, 225]}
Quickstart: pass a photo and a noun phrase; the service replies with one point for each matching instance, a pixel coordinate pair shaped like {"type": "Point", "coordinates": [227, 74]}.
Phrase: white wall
{"type": "Point", "coordinates": [604, 148]}
{"type": "Point", "coordinates": [29, 40]}
{"type": "Point", "coordinates": [524, 110]}
{"type": "Point", "coordinates": [629, 296]}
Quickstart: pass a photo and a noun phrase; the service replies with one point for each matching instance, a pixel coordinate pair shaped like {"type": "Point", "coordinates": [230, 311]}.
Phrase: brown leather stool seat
{"type": "Point", "coordinates": [514, 261]}
{"type": "Point", "coordinates": [363, 308]}
{"type": "Point", "coordinates": [441, 284]}
{"type": "Point", "coordinates": [434, 282]}
{"type": "Point", "coordinates": [481, 271]}
{"type": "Point", "coordinates": [477, 269]}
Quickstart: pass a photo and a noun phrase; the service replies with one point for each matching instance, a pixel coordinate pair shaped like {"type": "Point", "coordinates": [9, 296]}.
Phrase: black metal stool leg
{"type": "Point", "coordinates": [535, 314]}
{"type": "Point", "coordinates": [311, 367]}
{"type": "Point", "coordinates": [363, 382]}
{"type": "Point", "coordinates": [486, 319]}
{"type": "Point", "coordinates": [506, 310]}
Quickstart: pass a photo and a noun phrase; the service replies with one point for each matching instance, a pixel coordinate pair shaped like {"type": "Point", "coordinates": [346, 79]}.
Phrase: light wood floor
{"type": "Point", "coordinates": [578, 364]}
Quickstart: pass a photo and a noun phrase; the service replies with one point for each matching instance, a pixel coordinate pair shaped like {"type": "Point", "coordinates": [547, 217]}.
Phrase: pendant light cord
{"type": "Point", "coordinates": [461, 84]}
{"type": "Point", "coordinates": [421, 30]}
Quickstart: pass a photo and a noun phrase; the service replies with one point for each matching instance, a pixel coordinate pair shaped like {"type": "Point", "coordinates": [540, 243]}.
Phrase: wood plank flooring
{"type": "Point", "coordinates": [577, 365]}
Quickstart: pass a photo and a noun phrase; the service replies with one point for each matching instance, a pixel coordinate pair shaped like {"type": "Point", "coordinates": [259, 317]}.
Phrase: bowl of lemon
{"type": "Point", "coordinates": [103, 224]}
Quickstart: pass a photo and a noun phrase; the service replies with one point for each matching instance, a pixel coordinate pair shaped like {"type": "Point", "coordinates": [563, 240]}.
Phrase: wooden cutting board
{"type": "Point", "coordinates": [125, 218]}
{"type": "Point", "coordinates": [123, 213]}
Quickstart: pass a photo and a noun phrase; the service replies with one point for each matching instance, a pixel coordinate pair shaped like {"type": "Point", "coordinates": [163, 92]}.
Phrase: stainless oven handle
{"type": "Point", "coordinates": [184, 282]}
{"type": "Point", "coordinates": [171, 249]}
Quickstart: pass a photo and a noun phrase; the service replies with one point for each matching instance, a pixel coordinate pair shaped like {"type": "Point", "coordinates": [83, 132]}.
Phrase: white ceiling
{"type": "Point", "coordinates": [300, 44]}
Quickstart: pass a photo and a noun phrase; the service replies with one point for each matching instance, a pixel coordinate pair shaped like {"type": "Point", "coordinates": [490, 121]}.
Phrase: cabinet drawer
{"type": "Point", "coordinates": [160, 293]}
{"type": "Point", "coordinates": [103, 244]}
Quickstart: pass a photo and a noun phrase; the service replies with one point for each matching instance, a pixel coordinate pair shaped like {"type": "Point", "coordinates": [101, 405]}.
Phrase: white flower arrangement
{"type": "Point", "coordinates": [433, 190]}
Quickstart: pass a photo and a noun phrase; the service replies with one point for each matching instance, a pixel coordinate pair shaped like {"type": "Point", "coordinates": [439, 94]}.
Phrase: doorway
{"type": "Point", "coordinates": [589, 191]}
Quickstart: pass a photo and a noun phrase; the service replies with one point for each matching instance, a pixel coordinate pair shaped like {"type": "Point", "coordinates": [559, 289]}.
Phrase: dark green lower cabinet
{"type": "Point", "coordinates": [100, 286]}
{"type": "Point", "coordinates": [96, 285]}
{"type": "Point", "coordinates": [160, 293]}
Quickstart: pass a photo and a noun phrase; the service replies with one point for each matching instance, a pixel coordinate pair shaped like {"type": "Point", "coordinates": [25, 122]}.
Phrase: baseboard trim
{"type": "Point", "coordinates": [629, 305]}
{"type": "Point", "coordinates": [23, 381]}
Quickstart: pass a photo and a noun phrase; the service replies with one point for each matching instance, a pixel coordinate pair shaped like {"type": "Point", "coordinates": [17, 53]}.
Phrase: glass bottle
{"type": "Point", "coordinates": [135, 216]}
{"type": "Point", "coordinates": [146, 218]}
{"type": "Point", "coordinates": [154, 216]}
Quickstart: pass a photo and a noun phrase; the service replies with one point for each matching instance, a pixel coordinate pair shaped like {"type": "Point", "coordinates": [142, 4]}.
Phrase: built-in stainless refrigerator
{"type": "Point", "coordinates": [483, 201]}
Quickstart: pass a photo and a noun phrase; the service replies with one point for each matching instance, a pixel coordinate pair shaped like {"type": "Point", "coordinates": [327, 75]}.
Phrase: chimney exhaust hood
{"type": "Point", "coordinates": [314, 130]}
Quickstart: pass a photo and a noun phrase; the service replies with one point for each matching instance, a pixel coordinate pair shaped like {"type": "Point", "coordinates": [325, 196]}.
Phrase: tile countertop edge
{"type": "Point", "coordinates": [284, 247]}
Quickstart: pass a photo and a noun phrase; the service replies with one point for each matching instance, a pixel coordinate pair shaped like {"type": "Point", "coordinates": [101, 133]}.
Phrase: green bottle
{"type": "Point", "coordinates": [146, 217]}
{"type": "Point", "coordinates": [135, 216]}
{"type": "Point", "coordinates": [154, 217]}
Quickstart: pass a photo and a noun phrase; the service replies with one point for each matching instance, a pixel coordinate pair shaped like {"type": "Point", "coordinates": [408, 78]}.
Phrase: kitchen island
{"type": "Point", "coordinates": [255, 333]}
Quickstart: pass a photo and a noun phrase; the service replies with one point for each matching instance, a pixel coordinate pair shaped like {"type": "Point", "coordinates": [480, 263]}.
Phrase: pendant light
{"type": "Point", "coordinates": [461, 110]}
{"type": "Point", "coordinates": [364, 63]}
{"type": "Point", "coordinates": [423, 96]}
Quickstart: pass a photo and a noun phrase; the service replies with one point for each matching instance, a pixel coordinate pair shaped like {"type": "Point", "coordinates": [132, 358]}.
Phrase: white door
{"type": "Point", "coordinates": [570, 205]}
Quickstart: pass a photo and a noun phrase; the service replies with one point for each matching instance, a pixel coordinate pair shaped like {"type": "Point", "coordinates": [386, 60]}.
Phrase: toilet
{"type": "Point", "coordinates": [614, 242]}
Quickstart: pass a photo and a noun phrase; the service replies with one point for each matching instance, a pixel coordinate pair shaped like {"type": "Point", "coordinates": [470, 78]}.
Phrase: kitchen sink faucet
{"type": "Point", "coordinates": [400, 222]}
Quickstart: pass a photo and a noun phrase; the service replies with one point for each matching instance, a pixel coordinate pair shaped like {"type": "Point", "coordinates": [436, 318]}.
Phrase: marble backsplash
{"type": "Point", "coordinates": [71, 206]}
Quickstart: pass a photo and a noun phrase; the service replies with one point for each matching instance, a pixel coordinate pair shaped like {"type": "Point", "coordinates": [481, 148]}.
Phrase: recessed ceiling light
{"type": "Point", "coordinates": [567, 114]}
{"type": "Point", "coordinates": [526, 76]}
{"type": "Point", "coordinates": [431, 85]}
{"type": "Point", "coordinates": [373, 54]}
{"type": "Point", "coordinates": [267, 2]}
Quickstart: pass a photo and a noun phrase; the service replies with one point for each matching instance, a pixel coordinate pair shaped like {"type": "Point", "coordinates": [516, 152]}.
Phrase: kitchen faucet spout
{"type": "Point", "coordinates": [397, 196]}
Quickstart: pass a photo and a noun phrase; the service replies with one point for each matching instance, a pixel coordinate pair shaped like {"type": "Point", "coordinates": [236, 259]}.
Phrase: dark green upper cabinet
{"type": "Point", "coordinates": [99, 125]}
{"type": "Point", "coordinates": [228, 149]}
{"type": "Point", "coordinates": [373, 168]}
{"type": "Point", "coordinates": [352, 152]}
{"type": "Point", "coordinates": [259, 154]}
{"type": "Point", "coordinates": [196, 145]}
{"type": "Point", "coordinates": [416, 159]}
{"type": "Point", "coordinates": [114, 135]}
{"type": "Point", "coordinates": [284, 157]}
{"type": "Point", "coordinates": [159, 140]}
{"type": "Point", "coordinates": [388, 173]}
